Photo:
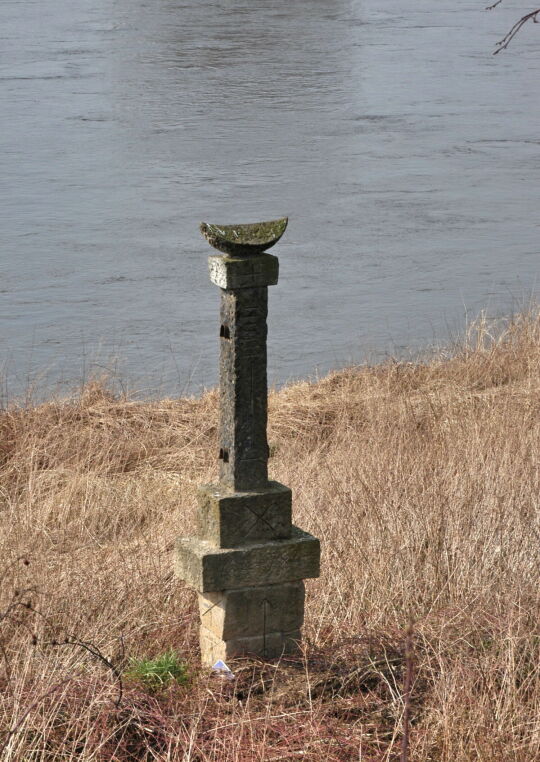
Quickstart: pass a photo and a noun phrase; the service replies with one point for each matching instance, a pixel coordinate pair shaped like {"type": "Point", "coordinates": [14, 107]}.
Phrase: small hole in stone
{"type": "Point", "coordinates": [221, 453]}
{"type": "Point", "coordinates": [225, 456]}
{"type": "Point", "coordinates": [224, 332]}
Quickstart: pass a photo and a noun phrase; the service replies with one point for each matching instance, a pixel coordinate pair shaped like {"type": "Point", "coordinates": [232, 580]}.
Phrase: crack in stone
{"type": "Point", "coordinates": [213, 606]}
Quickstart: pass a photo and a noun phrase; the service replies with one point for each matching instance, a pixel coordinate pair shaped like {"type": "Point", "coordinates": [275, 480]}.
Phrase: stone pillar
{"type": "Point", "coordinates": [243, 393]}
{"type": "Point", "coordinates": [248, 561]}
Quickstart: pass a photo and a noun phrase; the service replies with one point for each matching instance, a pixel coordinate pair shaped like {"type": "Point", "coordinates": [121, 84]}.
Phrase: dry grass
{"type": "Point", "coordinates": [422, 481]}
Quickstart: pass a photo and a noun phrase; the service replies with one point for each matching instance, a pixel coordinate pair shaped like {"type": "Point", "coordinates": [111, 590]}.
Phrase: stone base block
{"type": "Point", "coordinates": [209, 569]}
{"type": "Point", "coordinates": [228, 520]}
{"type": "Point", "coordinates": [269, 646]}
{"type": "Point", "coordinates": [252, 611]}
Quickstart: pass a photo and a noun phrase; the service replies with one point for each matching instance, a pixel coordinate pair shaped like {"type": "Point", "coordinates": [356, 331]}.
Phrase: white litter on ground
{"type": "Point", "coordinates": [223, 670]}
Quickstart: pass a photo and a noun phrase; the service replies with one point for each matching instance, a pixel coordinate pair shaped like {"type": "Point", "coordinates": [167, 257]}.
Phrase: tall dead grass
{"type": "Point", "coordinates": [422, 481]}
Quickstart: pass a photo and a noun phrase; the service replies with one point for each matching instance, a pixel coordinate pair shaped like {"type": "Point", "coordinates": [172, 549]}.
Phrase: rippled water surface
{"type": "Point", "coordinates": [405, 154]}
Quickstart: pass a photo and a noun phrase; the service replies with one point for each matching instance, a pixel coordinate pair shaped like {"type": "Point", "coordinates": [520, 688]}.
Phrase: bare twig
{"type": "Point", "coordinates": [507, 39]}
{"type": "Point", "coordinates": [6, 662]}
{"type": "Point", "coordinates": [10, 566]}
{"type": "Point", "coordinates": [407, 692]}
{"type": "Point", "coordinates": [11, 732]}
{"type": "Point", "coordinates": [92, 649]}
{"type": "Point", "coordinates": [19, 600]}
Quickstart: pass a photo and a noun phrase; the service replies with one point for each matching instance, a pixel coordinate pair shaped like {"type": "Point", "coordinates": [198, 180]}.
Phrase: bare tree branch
{"type": "Point", "coordinates": [409, 656]}
{"type": "Point", "coordinates": [71, 640]}
{"type": "Point", "coordinates": [507, 39]}
{"type": "Point", "coordinates": [11, 732]}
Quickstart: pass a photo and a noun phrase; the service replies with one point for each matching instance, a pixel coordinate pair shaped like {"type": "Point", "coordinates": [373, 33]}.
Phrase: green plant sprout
{"type": "Point", "coordinates": [157, 673]}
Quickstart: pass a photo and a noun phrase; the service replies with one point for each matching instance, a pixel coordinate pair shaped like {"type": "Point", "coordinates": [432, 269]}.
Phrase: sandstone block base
{"type": "Point", "coordinates": [253, 611]}
{"type": "Point", "coordinates": [269, 646]}
{"type": "Point", "coordinates": [209, 569]}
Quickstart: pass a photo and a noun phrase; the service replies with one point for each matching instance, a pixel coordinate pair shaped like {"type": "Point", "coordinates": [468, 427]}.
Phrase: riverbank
{"type": "Point", "coordinates": [422, 482]}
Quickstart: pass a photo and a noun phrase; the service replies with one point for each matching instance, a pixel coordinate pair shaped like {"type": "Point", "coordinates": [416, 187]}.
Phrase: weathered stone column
{"type": "Point", "coordinates": [248, 561]}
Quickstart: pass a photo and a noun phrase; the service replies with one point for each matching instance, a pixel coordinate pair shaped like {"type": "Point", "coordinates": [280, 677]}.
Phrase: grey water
{"type": "Point", "coordinates": [406, 156]}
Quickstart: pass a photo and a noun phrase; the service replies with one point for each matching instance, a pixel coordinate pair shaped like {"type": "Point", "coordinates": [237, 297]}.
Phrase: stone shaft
{"type": "Point", "coordinates": [243, 389]}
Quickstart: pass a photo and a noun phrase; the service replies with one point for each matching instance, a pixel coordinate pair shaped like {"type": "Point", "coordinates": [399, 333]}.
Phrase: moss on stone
{"type": "Point", "coordinates": [243, 240]}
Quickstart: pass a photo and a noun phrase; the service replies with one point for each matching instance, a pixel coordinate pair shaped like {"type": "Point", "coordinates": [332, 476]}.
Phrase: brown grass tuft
{"type": "Point", "coordinates": [422, 481]}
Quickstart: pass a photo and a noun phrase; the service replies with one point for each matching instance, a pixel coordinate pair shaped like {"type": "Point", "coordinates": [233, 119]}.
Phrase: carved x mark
{"type": "Point", "coordinates": [259, 517]}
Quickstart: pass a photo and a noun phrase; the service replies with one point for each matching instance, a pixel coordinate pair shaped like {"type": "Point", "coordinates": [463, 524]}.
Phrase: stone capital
{"type": "Point", "coordinates": [253, 271]}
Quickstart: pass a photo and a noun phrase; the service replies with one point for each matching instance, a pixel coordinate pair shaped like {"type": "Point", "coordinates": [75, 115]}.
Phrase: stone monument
{"type": "Point", "coordinates": [248, 561]}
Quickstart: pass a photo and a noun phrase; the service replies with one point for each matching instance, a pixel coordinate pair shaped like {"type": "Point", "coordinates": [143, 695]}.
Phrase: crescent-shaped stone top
{"type": "Point", "coordinates": [242, 240]}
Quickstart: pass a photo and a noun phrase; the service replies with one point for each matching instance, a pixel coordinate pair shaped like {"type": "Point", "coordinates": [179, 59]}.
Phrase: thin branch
{"type": "Point", "coordinates": [6, 663]}
{"type": "Point", "coordinates": [24, 560]}
{"type": "Point", "coordinates": [507, 39]}
{"type": "Point", "coordinates": [15, 603]}
{"type": "Point", "coordinates": [18, 602]}
{"type": "Point", "coordinates": [92, 649]}
{"type": "Point", "coordinates": [409, 657]}
{"type": "Point", "coordinates": [12, 731]}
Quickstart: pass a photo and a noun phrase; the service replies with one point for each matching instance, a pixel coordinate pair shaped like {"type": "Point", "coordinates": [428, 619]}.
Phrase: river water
{"type": "Point", "coordinates": [406, 156]}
